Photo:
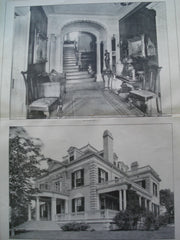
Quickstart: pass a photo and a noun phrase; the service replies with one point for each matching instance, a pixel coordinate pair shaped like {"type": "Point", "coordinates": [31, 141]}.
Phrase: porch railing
{"type": "Point", "coordinates": [121, 181]}
{"type": "Point", "coordinates": [52, 189]}
{"type": "Point", "coordinates": [89, 215]}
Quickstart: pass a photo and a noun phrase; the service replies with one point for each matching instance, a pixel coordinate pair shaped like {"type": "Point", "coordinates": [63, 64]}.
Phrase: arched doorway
{"type": "Point", "coordinates": [91, 30]}
{"type": "Point", "coordinates": [79, 52]}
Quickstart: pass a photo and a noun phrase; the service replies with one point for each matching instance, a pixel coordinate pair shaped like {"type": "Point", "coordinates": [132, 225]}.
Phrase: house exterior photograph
{"type": "Point", "coordinates": [90, 59]}
{"type": "Point", "coordinates": [89, 183]}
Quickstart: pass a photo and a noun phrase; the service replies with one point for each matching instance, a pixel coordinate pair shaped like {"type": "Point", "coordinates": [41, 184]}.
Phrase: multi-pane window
{"type": "Point", "coordinates": [78, 178]}
{"type": "Point", "coordinates": [142, 183]}
{"type": "Point", "coordinates": [57, 186]}
{"type": "Point", "coordinates": [78, 204]}
{"type": "Point", "coordinates": [71, 157]}
{"type": "Point", "coordinates": [44, 186]}
{"type": "Point", "coordinates": [155, 189]}
{"type": "Point", "coordinates": [102, 175]}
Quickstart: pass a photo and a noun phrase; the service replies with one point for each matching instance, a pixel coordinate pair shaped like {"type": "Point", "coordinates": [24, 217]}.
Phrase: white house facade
{"type": "Point", "coordinates": [92, 186]}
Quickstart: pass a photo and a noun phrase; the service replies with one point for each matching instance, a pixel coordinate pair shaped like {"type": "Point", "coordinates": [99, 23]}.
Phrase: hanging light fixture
{"type": "Point", "coordinates": [123, 3]}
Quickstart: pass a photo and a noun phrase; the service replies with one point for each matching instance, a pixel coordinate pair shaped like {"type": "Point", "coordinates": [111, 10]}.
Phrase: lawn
{"type": "Point", "coordinates": [163, 233]}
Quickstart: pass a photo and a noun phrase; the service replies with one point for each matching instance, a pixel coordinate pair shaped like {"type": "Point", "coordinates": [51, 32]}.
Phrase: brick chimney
{"type": "Point", "coordinates": [108, 146]}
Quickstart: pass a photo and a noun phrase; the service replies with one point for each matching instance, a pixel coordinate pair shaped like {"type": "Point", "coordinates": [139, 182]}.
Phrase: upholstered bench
{"type": "Point", "coordinates": [41, 97]}
{"type": "Point", "coordinates": [44, 105]}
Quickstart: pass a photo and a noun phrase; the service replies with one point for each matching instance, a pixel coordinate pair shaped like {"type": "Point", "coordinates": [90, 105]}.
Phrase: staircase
{"type": "Point", "coordinates": [75, 79]}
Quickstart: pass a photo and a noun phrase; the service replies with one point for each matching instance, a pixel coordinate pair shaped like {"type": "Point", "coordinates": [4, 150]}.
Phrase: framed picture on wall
{"type": "Point", "coordinates": [40, 47]}
{"type": "Point", "coordinates": [136, 46]}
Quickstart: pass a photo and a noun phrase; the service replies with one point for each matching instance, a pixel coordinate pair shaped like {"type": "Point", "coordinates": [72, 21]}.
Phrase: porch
{"type": "Point", "coordinates": [96, 215]}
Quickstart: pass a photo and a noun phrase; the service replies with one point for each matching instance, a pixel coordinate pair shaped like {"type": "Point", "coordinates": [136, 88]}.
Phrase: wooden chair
{"type": "Point", "coordinates": [37, 105]}
{"type": "Point", "coordinates": [149, 91]}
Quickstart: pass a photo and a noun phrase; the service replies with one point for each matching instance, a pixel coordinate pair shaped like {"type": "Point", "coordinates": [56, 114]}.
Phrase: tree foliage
{"type": "Point", "coordinates": [24, 156]}
{"type": "Point", "coordinates": [167, 200]}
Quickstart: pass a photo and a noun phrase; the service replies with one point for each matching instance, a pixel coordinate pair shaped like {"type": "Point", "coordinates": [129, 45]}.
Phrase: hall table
{"type": "Point", "coordinates": [133, 83]}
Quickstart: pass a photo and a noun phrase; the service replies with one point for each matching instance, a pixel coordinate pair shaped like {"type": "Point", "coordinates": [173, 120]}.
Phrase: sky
{"type": "Point", "coordinates": [147, 144]}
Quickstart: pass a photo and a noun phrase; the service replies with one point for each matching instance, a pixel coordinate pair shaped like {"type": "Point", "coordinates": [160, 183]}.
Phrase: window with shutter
{"type": "Point", "coordinates": [102, 175]}
{"type": "Point", "coordinates": [78, 178]}
{"type": "Point", "coordinates": [73, 180]}
{"type": "Point", "coordinates": [73, 205]}
{"type": "Point", "coordinates": [78, 204]}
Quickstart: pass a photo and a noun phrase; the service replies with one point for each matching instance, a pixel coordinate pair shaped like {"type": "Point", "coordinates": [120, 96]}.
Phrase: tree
{"type": "Point", "coordinates": [167, 200]}
{"type": "Point", "coordinates": [24, 157]}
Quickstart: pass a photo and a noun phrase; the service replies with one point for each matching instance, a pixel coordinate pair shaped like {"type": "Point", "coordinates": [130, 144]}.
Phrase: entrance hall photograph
{"type": "Point", "coordinates": [91, 182]}
{"type": "Point", "coordinates": [91, 60]}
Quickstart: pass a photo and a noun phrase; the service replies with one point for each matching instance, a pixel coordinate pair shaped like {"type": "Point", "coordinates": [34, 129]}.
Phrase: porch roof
{"type": "Point", "coordinates": [121, 183]}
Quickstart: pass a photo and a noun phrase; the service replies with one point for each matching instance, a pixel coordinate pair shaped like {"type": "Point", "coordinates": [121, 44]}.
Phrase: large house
{"type": "Point", "coordinates": [92, 186]}
{"type": "Point", "coordinates": [81, 41]}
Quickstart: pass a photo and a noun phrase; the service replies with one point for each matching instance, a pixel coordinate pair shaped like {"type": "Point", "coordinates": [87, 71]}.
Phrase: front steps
{"type": "Point", "coordinates": [39, 226]}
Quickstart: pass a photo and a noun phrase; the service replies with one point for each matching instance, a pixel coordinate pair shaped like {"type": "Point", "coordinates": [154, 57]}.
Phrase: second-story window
{"type": "Point", "coordinates": [78, 178]}
{"type": "Point", "coordinates": [142, 183]}
{"type": "Point", "coordinates": [155, 189]}
{"type": "Point", "coordinates": [57, 186]}
{"type": "Point", "coordinates": [102, 175]}
{"type": "Point", "coordinates": [44, 186]}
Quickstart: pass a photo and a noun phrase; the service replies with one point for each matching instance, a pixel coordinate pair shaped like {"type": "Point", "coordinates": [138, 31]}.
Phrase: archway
{"type": "Point", "coordinates": [90, 29]}
{"type": "Point", "coordinates": [79, 48]}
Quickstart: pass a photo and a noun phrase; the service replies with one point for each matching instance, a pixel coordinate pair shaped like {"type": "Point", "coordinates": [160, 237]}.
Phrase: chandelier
{"type": "Point", "coordinates": [123, 3]}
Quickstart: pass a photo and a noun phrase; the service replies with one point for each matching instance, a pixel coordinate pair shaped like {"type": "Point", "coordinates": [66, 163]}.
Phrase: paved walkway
{"type": "Point", "coordinates": [163, 233]}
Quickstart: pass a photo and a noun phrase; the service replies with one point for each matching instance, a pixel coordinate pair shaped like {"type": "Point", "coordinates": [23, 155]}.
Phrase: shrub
{"type": "Point", "coordinates": [74, 226]}
{"type": "Point", "coordinates": [126, 220]}
{"type": "Point", "coordinates": [163, 220]}
{"type": "Point", "coordinates": [129, 220]}
{"type": "Point", "coordinates": [151, 222]}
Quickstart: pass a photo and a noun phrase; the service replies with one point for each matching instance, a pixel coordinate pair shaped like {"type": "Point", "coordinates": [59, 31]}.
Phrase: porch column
{"type": "Point", "coordinates": [145, 203]}
{"type": "Point", "coordinates": [29, 212]}
{"type": "Point", "coordinates": [124, 196]}
{"type": "Point", "coordinates": [150, 206]}
{"type": "Point", "coordinates": [120, 200]}
{"type": "Point", "coordinates": [48, 211]}
{"type": "Point", "coordinates": [53, 208]}
{"type": "Point", "coordinates": [140, 203]}
{"type": "Point", "coordinates": [37, 209]}
{"type": "Point", "coordinates": [66, 206]}
{"type": "Point", "coordinates": [98, 61]}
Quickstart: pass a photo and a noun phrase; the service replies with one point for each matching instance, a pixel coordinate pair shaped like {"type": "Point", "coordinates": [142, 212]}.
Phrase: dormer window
{"type": "Point", "coordinates": [71, 157]}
